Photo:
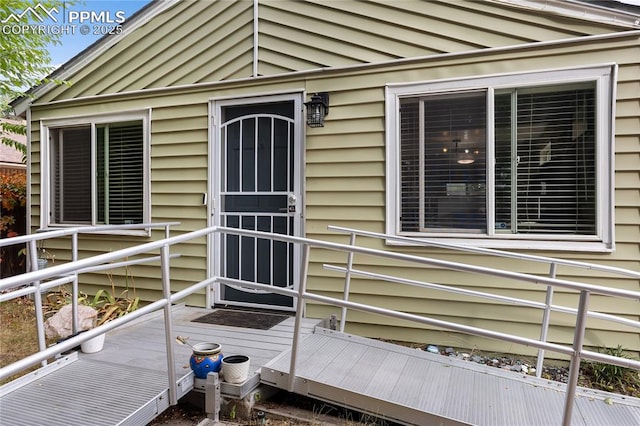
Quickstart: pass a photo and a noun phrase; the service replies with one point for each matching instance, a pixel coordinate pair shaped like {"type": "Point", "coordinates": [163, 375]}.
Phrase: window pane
{"type": "Point", "coordinates": [119, 149]}
{"type": "Point", "coordinates": [443, 167]}
{"type": "Point", "coordinates": [71, 157]}
{"type": "Point", "coordinates": [409, 165]}
{"type": "Point", "coordinates": [504, 161]}
{"type": "Point", "coordinates": [454, 162]}
{"type": "Point", "coordinates": [553, 157]}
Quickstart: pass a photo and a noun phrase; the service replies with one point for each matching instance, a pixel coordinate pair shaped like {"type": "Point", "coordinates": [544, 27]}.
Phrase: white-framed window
{"type": "Point", "coordinates": [95, 170]}
{"type": "Point", "coordinates": [510, 161]}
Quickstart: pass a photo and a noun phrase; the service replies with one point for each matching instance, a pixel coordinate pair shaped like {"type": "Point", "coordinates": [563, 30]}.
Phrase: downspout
{"type": "Point", "coordinates": [255, 37]}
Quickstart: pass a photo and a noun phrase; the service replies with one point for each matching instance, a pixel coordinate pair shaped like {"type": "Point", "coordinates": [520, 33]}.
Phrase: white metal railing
{"type": "Point", "coordinates": [301, 295]}
{"type": "Point", "coordinates": [547, 306]}
{"type": "Point", "coordinates": [37, 287]}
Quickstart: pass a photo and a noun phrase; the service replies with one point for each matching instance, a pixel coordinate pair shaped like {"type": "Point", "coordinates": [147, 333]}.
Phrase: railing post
{"type": "Point", "coordinates": [168, 324]}
{"type": "Point", "coordinates": [347, 283]}
{"type": "Point", "coordinates": [299, 310]}
{"type": "Point", "coordinates": [546, 317]}
{"type": "Point", "coordinates": [37, 300]}
{"type": "Point", "coordinates": [74, 284]}
{"type": "Point", "coordinates": [574, 368]}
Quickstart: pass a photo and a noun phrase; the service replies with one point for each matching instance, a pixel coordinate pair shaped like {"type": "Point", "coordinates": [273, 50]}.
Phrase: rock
{"type": "Point", "coordinates": [60, 324]}
{"type": "Point", "coordinates": [433, 349]}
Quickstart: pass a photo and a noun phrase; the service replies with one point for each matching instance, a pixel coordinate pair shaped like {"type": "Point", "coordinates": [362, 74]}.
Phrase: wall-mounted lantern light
{"type": "Point", "coordinates": [317, 109]}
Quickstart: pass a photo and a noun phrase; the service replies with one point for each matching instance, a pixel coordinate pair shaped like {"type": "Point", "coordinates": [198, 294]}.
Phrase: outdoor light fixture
{"type": "Point", "coordinates": [317, 109]}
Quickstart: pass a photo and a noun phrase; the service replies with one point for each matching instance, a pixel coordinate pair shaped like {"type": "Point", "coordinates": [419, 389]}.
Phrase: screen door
{"type": "Point", "coordinates": [259, 189]}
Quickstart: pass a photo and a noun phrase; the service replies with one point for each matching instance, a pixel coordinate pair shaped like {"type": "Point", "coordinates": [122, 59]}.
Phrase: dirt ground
{"type": "Point", "coordinates": [283, 409]}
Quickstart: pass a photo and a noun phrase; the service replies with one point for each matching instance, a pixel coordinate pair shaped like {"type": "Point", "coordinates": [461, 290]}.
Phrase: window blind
{"type": "Point", "coordinates": [545, 176]}
{"type": "Point", "coordinates": [117, 153]}
{"type": "Point", "coordinates": [410, 165]}
{"type": "Point", "coordinates": [120, 173]}
{"type": "Point", "coordinates": [443, 148]}
{"type": "Point", "coordinates": [72, 156]}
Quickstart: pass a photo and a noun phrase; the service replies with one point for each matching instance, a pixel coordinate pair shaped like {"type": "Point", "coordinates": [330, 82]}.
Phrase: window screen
{"type": "Point", "coordinates": [72, 168]}
{"type": "Point", "coordinates": [545, 161]}
{"type": "Point", "coordinates": [119, 173]}
{"type": "Point", "coordinates": [98, 179]}
{"type": "Point", "coordinates": [443, 163]}
{"type": "Point", "coordinates": [545, 164]}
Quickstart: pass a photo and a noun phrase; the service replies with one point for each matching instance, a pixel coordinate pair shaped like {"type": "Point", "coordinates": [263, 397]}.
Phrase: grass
{"type": "Point", "coordinates": [18, 336]}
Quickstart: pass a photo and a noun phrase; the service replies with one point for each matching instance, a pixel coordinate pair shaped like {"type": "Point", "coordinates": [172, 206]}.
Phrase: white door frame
{"type": "Point", "coordinates": [213, 201]}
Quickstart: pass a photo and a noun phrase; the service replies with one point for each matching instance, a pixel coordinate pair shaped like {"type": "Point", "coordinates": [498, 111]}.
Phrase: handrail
{"type": "Point", "coordinates": [36, 289]}
{"type": "Point", "coordinates": [302, 295]}
{"type": "Point", "coordinates": [553, 264]}
{"type": "Point", "coordinates": [48, 233]}
{"type": "Point", "coordinates": [420, 242]}
{"type": "Point", "coordinates": [480, 294]}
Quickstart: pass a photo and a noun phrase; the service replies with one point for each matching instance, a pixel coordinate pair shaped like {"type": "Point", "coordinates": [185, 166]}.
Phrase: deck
{"type": "Point", "coordinates": [126, 383]}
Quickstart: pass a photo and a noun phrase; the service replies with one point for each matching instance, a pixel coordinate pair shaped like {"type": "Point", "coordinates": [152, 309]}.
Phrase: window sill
{"type": "Point", "coordinates": [590, 246]}
{"type": "Point", "coordinates": [101, 230]}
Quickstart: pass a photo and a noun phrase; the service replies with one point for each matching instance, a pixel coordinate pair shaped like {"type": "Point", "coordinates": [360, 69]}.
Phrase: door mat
{"type": "Point", "coordinates": [239, 318]}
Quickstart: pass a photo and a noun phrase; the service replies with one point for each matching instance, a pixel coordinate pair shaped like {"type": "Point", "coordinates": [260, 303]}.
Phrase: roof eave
{"type": "Point", "coordinates": [580, 9]}
{"type": "Point", "coordinates": [573, 8]}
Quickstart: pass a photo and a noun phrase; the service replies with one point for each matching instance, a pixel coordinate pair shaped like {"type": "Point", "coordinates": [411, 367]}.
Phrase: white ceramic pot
{"type": "Point", "coordinates": [235, 368]}
{"type": "Point", "coordinates": [93, 345]}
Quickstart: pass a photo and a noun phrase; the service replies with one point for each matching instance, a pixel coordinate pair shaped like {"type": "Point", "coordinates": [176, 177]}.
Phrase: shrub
{"type": "Point", "coordinates": [13, 199]}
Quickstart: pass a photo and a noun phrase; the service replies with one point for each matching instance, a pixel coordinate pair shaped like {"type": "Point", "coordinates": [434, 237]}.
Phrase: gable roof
{"type": "Point", "coordinates": [173, 43]}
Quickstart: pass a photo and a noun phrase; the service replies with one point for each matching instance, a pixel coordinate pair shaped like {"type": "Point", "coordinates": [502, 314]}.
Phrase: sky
{"type": "Point", "coordinates": [107, 14]}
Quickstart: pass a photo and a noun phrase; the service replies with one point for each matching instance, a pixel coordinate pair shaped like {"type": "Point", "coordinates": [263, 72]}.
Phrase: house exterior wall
{"type": "Point", "coordinates": [345, 187]}
{"type": "Point", "coordinates": [345, 161]}
{"type": "Point", "coordinates": [197, 42]}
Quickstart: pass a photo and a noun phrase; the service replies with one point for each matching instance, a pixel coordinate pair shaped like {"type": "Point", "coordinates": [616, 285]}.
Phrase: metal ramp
{"type": "Point", "coordinates": [419, 388]}
{"type": "Point", "coordinates": [89, 392]}
{"type": "Point", "coordinates": [126, 383]}
{"type": "Point", "coordinates": [397, 383]}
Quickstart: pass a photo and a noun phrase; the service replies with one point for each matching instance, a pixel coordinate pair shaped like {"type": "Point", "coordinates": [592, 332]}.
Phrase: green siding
{"type": "Point", "coordinates": [208, 41]}
{"type": "Point", "coordinates": [198, 42]}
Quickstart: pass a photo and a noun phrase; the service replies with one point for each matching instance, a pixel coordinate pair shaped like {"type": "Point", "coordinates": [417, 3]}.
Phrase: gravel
{"type": "Point", "coordinates": [523, 366]}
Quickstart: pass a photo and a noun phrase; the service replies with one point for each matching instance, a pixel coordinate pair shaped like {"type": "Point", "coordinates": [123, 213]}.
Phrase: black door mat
{"type": "Point", "coordinates": [240, 318]}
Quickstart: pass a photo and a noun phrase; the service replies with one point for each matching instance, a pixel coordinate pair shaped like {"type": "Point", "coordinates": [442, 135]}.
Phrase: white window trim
{"type": "Point", "coordinates": [604, 75]}
{"type": "Point", "coordinates": [92, 120]}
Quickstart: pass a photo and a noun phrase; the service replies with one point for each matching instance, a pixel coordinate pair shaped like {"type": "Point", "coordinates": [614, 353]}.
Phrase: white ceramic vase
{"type": "Point", "coordinates": [235, 368]}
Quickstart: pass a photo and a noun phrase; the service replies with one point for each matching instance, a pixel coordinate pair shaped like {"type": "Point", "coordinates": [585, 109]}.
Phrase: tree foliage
{"type": "Point", "coordinates": [13, 200]}
{"type": "Point", "coordinates": [24, 61]}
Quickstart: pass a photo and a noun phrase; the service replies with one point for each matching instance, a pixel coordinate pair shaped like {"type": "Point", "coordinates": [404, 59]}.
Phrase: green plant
{"type": "Point", "coordinates": [110, 307]}
{"type": "Point", "coordinates": [608, 376]}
